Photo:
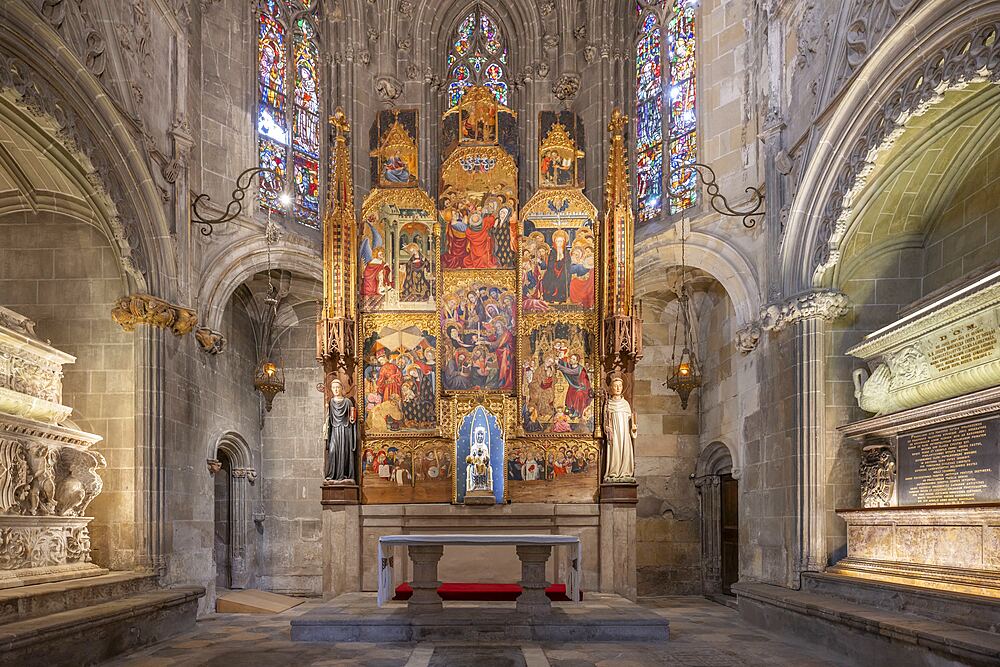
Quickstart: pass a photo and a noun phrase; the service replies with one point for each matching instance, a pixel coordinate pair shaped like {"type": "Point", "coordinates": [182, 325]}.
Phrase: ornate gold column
{"type": "Point", "coordinates": [335, 328]}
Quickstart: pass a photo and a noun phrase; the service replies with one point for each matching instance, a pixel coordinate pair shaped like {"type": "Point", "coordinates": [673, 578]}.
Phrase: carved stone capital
{"type": "Point", "coordinates": [245, 473]}
{"type": "Point", "coordinates": [147, 309]}
{"type": "Point", "coordinates": [211, 341]}
{"type": "Point", "coordinates": [214, 466]}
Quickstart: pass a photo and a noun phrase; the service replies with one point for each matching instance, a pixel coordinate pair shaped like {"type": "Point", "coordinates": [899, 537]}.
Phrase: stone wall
{"type": "Point", "coordinates": [292, 472]}
{"type": "Point", "coordinates": [63, 274]}
{"type": "Point", "coordinates": [967, 236]}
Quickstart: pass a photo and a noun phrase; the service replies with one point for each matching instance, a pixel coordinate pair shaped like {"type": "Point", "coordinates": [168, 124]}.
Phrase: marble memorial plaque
{"type": "Point", "coordinates": [956, 464]}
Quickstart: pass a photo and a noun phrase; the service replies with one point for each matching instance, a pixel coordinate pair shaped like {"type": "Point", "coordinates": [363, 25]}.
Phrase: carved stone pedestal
{"type": "Point", "coordinates": [533, 599]}
{"type": "Point", "coordinates": [425, 578]}
{"type": "Point", "coordinates": [480, 498]}
{"type": "Point", "coordinates": [618, 515]}
{"type": "Point", "coordinates": [48, 472]}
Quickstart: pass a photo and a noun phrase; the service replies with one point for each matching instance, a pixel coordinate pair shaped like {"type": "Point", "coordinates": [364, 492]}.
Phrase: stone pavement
{"type": "Point", "coordinates": [702, 634]}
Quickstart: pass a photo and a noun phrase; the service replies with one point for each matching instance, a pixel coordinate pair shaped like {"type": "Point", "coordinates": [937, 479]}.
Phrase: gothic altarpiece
{"type": "Point", "coordinates": [472, 310]}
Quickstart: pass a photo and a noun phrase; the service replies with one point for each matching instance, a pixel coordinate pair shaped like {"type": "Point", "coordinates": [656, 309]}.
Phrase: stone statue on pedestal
{"type": "Point", "coordinates": [620, 429]}
{"type": "Point", "coordinates": [341, 436]}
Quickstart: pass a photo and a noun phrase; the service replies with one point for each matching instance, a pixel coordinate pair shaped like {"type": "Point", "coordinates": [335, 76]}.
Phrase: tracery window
{"type": "Point", "coordinates": [478, 57]}
{"type": "Point", "coordinates": [666, 34]}
{"type": "Point", "coordinates": [288, 135]}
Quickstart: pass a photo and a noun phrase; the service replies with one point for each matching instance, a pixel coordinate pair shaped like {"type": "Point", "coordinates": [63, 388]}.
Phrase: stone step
{"type": "Point", "coordinates": [25, 602]}
{"type": "Point", "coordinates": [89, 635]}
{"type": "Point", "coordinates": [974, 611]}
{"type": "Point", "coordinates": [864, 634]}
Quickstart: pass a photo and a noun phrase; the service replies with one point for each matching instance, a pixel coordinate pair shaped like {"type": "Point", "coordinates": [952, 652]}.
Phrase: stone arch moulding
{"type": "Point", "coordinates": [233, 266]}
{"type": "Point", "coordinates": [88, 125]}
{"type": "Point", "coordinates": [716, 459]}
{"type": "Point", "coordinates": [942, 46]}
{"type": "Point", "coordinates": [710, 254]}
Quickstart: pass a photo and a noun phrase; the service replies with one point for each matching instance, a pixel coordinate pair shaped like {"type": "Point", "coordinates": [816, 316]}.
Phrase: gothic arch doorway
{"type": "Point", "coordinates": [718, 490]}
{"type": "Point", "coordinates": [232, 467]}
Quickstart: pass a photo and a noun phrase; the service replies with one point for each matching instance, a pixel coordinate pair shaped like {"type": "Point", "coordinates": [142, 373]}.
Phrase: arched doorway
{"type": "Point", "coordinates": [232, 467]}
{"type": "Point", "coordinates": [718, 490]}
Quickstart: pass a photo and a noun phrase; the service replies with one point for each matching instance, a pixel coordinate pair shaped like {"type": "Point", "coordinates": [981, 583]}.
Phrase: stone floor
{"type": "Point", "coordinates": [702, 634]}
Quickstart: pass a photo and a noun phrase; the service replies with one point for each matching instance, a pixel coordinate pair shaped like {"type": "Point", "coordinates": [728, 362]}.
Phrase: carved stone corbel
{"type": "Point", "coordinates": [147, 309]}
{"type": "Point", "coordinates": [778, 315]}
{"type": "Point", "coordinates": [211, 341]}
{"type": "Point", "coordinates": [214, 466]}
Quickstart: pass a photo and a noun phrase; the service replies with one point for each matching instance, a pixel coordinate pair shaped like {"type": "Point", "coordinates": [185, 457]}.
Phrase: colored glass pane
{"type": "Point", "coordinates": [271, 54]}
{"type": "Point", "coordinates": [306, 132]}
{"type": "Point", "coordinates": [499, 90]}
{"type": "Point", "coordinates": [683, 180]}
{"type": "Point", "coordinates": [306, 62]}
{"type": "Point", "coordinates": [271, 122]}
{"type": "Point", "coordinates": [649, 124]}
{"type": "Point", "coordinates": [649, 183]}
{"type": "Point", "coordinates": [478, 57]}
{"type": "Point", "coordinates": [491, 34]}
{"type": "Point", "coordinates": [306, 186]}
{"type": "Point", "coordinates": [272, 156]}
{"type": "Point", "coordinates": [682, 115]}
{"type": "Point", "coordinates": [466, 32]}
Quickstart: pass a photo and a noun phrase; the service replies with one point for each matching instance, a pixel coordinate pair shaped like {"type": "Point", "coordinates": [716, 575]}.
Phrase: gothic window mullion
{"type": "Point", "coordinates": [478, 56]}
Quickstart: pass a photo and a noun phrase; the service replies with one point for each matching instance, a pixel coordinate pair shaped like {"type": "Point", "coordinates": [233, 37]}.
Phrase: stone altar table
{"type": "Point", "coordinates": [425, 551]}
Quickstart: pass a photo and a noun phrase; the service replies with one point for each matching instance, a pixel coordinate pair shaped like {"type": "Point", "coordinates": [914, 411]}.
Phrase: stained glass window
{"type": "Point", "coordinates": [478, 56]}
{"type": "Point", "coordinates": [288, 127]}
{"type": "Point", "coordinates": [665, 105]}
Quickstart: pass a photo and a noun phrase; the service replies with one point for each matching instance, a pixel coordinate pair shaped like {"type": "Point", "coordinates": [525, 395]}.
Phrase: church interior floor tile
{"type": "Point", "coordinates": [702, 634]}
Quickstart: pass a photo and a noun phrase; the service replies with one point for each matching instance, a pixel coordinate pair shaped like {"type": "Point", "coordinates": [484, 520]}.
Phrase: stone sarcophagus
{"type": "Point", "coordinates": [945, 348]}
{"type": "Point", "coordinates": [48, 470]}
{"type": "Point", "coordinates": [930, 458]}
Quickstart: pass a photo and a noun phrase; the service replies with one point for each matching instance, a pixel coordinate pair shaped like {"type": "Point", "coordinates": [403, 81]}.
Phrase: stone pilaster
{"type": "Point", "coordinates": [810, 439]}
{"type": "Point", "coordinates": [149, 464]}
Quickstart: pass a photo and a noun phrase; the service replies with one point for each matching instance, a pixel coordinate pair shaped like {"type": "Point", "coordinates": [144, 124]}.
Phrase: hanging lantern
{"type": "Point", "coordinates": [686, 375]}
{"type": "Point", "coordinates": [269, 380]}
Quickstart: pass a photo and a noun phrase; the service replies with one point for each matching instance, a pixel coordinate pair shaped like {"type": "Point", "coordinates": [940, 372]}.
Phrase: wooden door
{"type": "Point", "coordinates": [729, 519]}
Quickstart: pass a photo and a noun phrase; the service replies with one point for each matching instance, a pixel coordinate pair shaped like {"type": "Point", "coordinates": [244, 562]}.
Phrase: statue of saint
{"type": "Point", "coordinates": [341, 435]}
{"type": "Point", "coordinates": [479, 474]}
{"type": "Point", "coordinates": [620, 429]}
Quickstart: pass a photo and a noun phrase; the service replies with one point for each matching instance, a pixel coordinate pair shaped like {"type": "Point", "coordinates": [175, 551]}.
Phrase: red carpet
{"type": "Point", "coordinates": [484, 592]}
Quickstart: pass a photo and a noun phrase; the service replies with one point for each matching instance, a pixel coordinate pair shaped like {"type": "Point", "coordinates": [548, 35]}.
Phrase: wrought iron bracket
{"type": "Point", "coordinates": [708, 178]}
{"type": "Point", "coordinates": [233, 208]}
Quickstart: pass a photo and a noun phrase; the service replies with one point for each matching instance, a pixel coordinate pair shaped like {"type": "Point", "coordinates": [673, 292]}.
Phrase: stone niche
{"type": "Point", "coordinates": [930, 459]}
{"type": "Point", "coordinates": [48, 470]}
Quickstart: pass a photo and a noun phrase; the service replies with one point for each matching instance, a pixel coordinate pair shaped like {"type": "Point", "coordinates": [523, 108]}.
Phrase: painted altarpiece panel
{"type": "Point", "coordinates": [393, 149]}
{"type": "Point", "coordinates": [398, 375]}
{"type": "Point", "coordinates": [558, 357]}
{"type": "Point", "coordinates": [560, 158]}
{"type": "Point", "coordinates": [478, 348]}
{"type": "Point", "coordinates": [545, 471]}
{"type": "Point", "coordinates": [407, 471]}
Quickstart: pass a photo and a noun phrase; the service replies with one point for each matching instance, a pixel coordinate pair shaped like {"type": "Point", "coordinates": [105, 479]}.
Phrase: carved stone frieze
{"type": "Point", "coordinates": [146, 309]}
{"type": "Point", "coordinates": [211, 341]}
{"type": "Point", "coordinates": [818, 304]}
{"type": "Point", "coordinates": [45, 546]}
{"type": "Point", "coordinates": [878, 475]}
{"type": "Point", "coordinates": [972, 56]}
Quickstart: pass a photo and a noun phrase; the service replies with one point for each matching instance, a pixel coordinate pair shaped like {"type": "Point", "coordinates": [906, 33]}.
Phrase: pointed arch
{"type": "Point", "coordinates": [478, 55]}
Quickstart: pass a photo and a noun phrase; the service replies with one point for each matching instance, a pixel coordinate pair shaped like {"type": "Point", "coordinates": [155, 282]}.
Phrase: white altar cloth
{"type": "Point", "coordinates": [385, 564]}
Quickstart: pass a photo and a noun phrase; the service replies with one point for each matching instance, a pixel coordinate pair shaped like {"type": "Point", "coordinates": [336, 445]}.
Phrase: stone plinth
{"type": "Point", "coordinates": [533, 599]}
{"type": "Point", "coordinates": [953, 548]}
{"type": "Point", "coordinates": [356, 618]}
{"type": "Point", "coordinates": [338, 493]}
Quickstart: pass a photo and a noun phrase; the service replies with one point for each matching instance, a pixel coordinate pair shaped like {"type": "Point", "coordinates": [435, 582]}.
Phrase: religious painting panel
{"type": "Point", "coordinates": [399, 374]}
{"type": "Point", "coordinates": [406, 471]}
{"type": "Point", "coordinates": [393, 148]}
{"type": "Point", "coordinates": [558, 254]}
{"type": "Point", "coordinates": [558, 378]}
{"type": "Point", "coordinates": [479, 456]}
{"type": "Point", "coordinates": [480, 232]}
{"type": "Point", "coordinates": [478, 326]}
{"type": "Point", "coordinates": [398, 252]}
{"type": "Point", "coordinates": [561, 158]}
{"type": "Point", "coordinates": [564, 471]}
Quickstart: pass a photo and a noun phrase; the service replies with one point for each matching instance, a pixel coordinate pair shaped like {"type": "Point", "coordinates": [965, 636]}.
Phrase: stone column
{"type": "Point", "coordinates": [810, 440]}
{"type": "Point", "coordinates": [533, 558]}
{"type": "Point", "coordinates": [425, 582]}
{"type": "Point", "coordinates": [149, 463]}
{"type": "Point", "coordinates": [239, 523]}
{"type": "Point", "coordinates": [711, 549]}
